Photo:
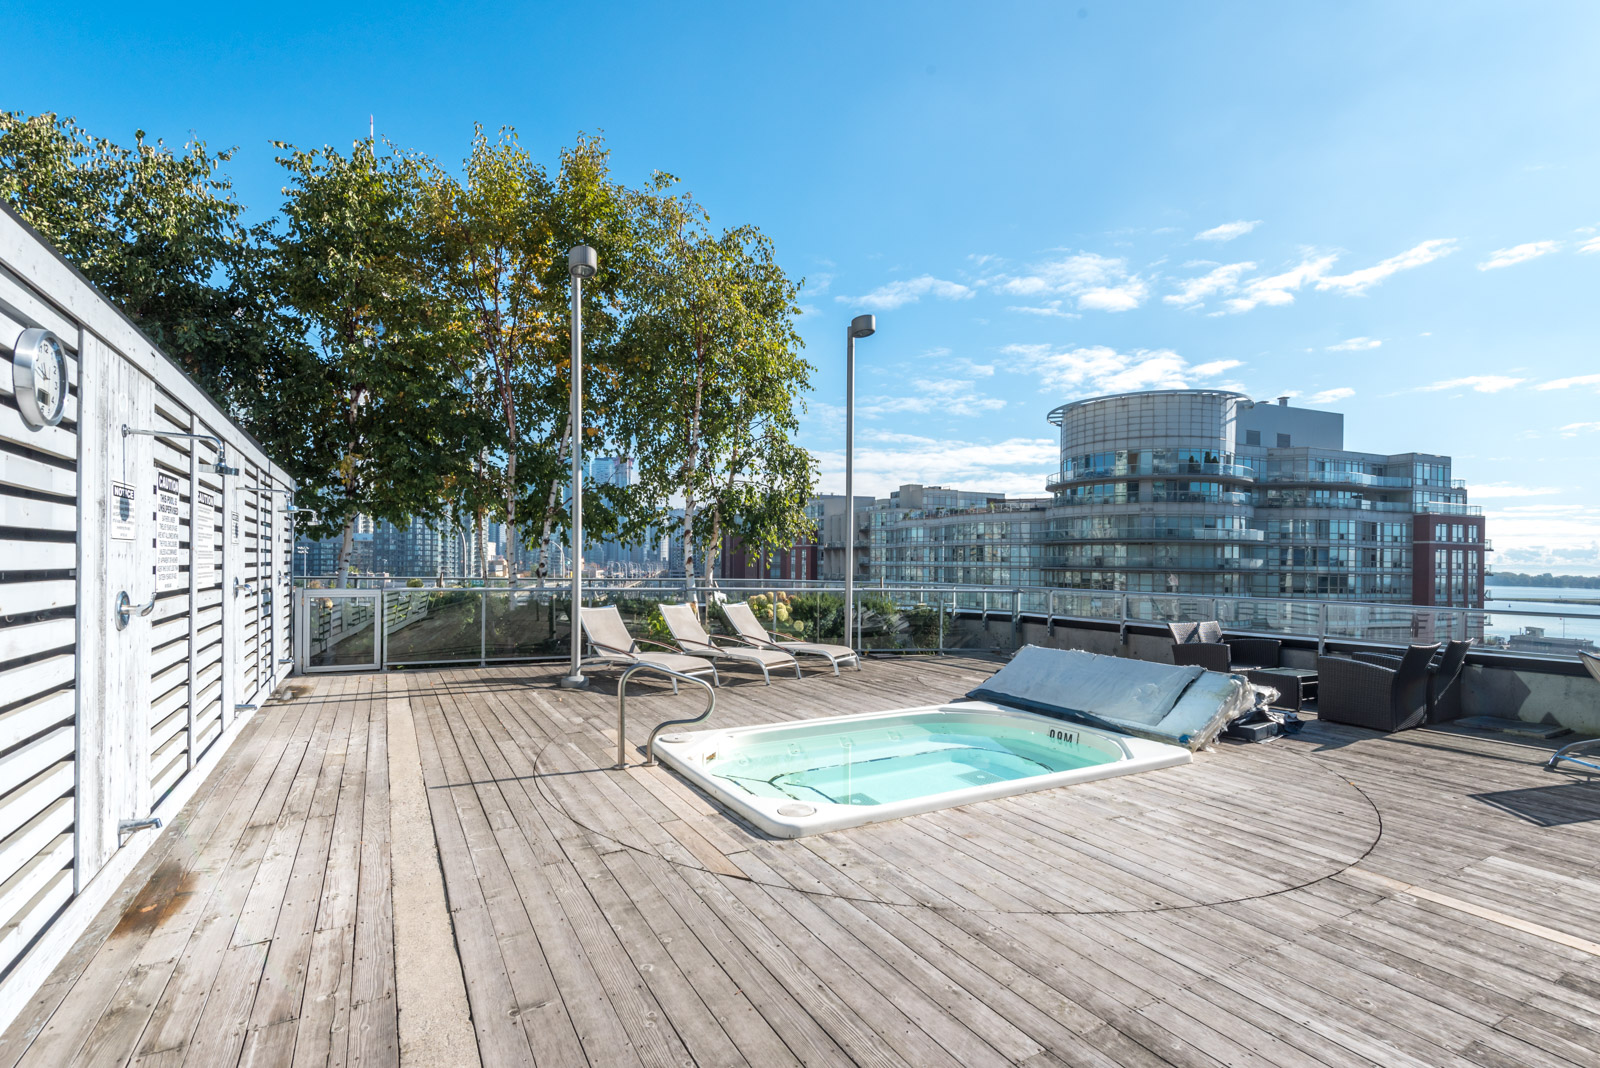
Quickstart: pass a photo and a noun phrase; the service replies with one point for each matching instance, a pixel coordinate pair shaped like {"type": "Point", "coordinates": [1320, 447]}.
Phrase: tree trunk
{"type": "Point", "coordinates": [511, 516]}
{"type": "Point", "coordinates": [550, 503]}
{"type": "Point", "coordinates": [347, 548]}
{"type": "Point", "coordinates": [482, 545]}
{"type": "Point", "coordinates": [693, 465]}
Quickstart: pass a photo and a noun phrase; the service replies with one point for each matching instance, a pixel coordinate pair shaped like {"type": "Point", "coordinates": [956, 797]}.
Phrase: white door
{"type": "Point", "coordinates": [118, 554]}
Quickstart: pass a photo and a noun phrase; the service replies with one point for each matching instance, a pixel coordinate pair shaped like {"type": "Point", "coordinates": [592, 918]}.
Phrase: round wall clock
{"type": "Point", "coordinates": [39, 377]}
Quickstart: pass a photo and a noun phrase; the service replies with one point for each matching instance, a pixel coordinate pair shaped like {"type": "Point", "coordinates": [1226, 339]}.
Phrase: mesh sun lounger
{"type": "Point", "coordinates": [612, 644]}
{"type": "Point", "coordinates": [744, 620]}
{"type": "Point", "coordinates": [693, 640]}
{"type": "Point", "coordinates": [1589, 748]}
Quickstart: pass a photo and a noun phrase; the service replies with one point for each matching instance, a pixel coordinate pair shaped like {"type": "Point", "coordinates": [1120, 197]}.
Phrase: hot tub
{"type": "Point", "coordinates": [794, 779]}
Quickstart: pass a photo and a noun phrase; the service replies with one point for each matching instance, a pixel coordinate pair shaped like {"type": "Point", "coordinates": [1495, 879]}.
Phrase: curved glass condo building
{"type": "Point", "coordinates": [1207, 492]}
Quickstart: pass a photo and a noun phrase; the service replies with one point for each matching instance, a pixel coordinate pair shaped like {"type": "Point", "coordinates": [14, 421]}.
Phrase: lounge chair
{"type": "Point", "coordinates": [693, 640]}
{"type": "Point", "coordinates": [612, 644]}
{"type": "Point", "coordinates": [744, 620]}
{"type": "Point", "coordinates": [1589, 747]}
{"type": "Point", "coordinates": [1382, 697]}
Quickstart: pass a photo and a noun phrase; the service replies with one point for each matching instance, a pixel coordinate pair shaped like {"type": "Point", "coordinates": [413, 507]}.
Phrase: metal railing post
{"type": "Point", "coordinates": [483, 630]}
{"type": "Point", "coordinates": [1016, 615]}
{"type": "Point", "coordinates": [941, 623]}
{"type": "Point", "coordinates": [1322, 628]}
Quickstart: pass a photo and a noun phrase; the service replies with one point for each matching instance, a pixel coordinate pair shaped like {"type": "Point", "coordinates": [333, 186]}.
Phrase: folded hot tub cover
{"type": "Point", "coordinates": [1183, 705]}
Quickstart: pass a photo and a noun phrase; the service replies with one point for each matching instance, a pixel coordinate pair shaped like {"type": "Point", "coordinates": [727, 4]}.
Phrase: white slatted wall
{"type": "Point", "coordinates": [100, 724]}
{"type": "Point", "coordinates": [38, 639]}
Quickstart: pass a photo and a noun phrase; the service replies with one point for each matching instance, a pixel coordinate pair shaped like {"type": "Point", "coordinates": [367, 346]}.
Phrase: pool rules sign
{"type": "Point", "coordinates": [169, 532]}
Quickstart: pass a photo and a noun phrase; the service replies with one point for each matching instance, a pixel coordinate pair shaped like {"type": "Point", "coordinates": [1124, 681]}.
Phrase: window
{"type": "Point", "coordinates": [1283, 441]}
{"type": "Point", "coordinates": [1252, 437]}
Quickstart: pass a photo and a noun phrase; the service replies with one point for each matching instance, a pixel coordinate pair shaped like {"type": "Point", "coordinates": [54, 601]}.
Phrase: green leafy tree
{"type": "Point", "coordinates": [395, 403]}
{"type": "Point", "coordinates": [158, 230]}
{"type": "Point", "coordinates": [721, 375]}
{"type": "Point", "coordinates": [503, 231]}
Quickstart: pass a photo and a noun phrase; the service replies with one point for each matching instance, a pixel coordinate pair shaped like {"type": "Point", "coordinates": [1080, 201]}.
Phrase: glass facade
{"type": "Point", "coordinates": [1174, 492]}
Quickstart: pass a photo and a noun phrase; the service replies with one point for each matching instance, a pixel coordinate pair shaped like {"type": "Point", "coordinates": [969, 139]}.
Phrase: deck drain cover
{"type": "Point", "coordinates": [796, 810]}
{"type": "Point", "coordinates": [673, 738]}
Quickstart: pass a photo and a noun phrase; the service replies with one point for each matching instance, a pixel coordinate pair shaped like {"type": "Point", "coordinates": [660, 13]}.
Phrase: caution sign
{"type": "Point", "coordinates": [169, 529]}
{"type": "Point", "coordinates": [203, 536]}
{"type": "Point", "coordinates": [123, 520]}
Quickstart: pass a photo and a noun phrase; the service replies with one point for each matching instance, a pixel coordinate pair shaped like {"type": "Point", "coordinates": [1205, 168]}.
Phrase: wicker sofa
{"type": "Point", "coordinates": [1204, 645]}
{"type": "Point", "coordinates": [1383, 697]}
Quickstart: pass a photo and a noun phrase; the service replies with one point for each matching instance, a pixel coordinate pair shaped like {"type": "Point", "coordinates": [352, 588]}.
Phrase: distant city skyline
{"type": "Point", "coordinates": [1386, 210]}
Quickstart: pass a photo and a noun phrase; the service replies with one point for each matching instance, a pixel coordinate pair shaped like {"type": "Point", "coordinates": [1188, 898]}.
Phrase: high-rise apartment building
{"type": "Point", "coordinates": [1205, 492]}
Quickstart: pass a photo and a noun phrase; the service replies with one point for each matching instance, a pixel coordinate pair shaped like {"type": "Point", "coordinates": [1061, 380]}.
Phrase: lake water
{"type": "Point", "coordinates": [1507, 605]}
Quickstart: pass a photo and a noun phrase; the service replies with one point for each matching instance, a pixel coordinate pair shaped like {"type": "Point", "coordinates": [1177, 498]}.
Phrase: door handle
{"type": "Point", "coordinates": [125, 609]}
{"type": "Point", "coordinates": [242, 587]}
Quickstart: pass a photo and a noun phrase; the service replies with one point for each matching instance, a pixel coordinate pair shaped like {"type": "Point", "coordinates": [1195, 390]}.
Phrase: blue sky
{"type": "Point", "coordinates": [1391, 211]}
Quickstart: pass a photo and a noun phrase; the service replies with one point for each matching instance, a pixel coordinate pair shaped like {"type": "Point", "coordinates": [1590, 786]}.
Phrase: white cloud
{"type": "Point", "coordinates": [1358, 282]}
{"type": "Point", "coordinates": [1015, 466]}
{"type": "Point", "coordinates": [1479, 383]}
{"type": "Point", "coordinates": [946, 396]}
{"type": "Point", "coordinates": [908, 291]}
{"type": "Point", "coordinates": [1096, 282]}
{"type": "Point", "coordinates": [1355, 344]}
{"type": "Point", "coordinates": [1222, 279]}
{"type": "Point", "coordinates": [1279, 289]}
{"type": "Point", "coordinates": [1101, 369]}
{"type": "Point", "coordinates": [1050, 309]}
{"type": "Point", "coordinates": [1506, 257]}
{"type": "Point", "coordinates": [1568, 383]}
{"type": "Point", "coordinates": [1572, 430]}
{"type": "Point", "coordinates": [1227, 231]}
{"type": "Point", "coordinates": [1591, 245]}
{"type": "Point", "coordinates": [1497, 490]}
{"type": "Point", "coordinates": [1333, 396]}
{"type": "Point", "coordinates": [1546, 536]}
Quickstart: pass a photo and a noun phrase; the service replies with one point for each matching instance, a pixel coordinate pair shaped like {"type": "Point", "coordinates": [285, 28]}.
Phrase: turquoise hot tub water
{"type": "Point", "coordinates": [808, 776]}
{"type": "Point", "coordinates": [914, 756]}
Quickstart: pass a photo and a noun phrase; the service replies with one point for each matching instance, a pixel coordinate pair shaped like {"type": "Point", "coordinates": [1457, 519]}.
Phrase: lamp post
{"type": "Point", "coordinates": [582, 262]}
{"type": "Point", "coordinates": [860, 326]}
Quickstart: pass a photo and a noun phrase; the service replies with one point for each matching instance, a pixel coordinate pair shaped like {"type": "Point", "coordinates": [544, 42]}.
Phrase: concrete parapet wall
{"type": "Point", "coordinates": [1531, 694]}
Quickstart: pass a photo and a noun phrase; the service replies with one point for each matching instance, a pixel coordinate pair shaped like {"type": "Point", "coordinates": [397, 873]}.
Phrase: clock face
{"type": "Point", "coordinates": [39, 377]}
{"type": "Point", "coordinates": [48, 372]}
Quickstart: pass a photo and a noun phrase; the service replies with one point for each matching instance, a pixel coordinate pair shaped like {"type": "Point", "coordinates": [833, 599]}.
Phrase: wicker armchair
{"type": "Point", "coordinates": [1379, 696]}
{"type": "Point", "coordinates": [1444, 678]}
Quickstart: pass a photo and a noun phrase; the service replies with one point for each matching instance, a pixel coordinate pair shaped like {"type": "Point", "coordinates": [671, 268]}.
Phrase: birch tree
{"type": "Point", "coordinates": [505, 229]}
{"type": "Point", "coordinates": [719, 359]}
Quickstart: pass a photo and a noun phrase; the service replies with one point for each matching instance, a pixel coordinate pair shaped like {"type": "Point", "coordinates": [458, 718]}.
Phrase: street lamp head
{"type": "Point", "coordinates": [583, 262]}
{"type": "Point", "coordinates": [863, 326]}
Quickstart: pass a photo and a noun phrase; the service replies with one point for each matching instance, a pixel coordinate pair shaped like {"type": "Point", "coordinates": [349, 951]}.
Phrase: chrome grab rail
{"type": "Point", "coordinates": [622, 712]}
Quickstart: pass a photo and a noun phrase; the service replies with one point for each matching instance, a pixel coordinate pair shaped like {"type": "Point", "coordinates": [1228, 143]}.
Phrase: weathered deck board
{"type": "Point", "coordinates": [1213, 914]}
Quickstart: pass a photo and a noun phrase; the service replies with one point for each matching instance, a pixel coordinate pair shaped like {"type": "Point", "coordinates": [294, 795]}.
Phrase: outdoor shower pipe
{"type": "Point", "coordinates": [622, 712]}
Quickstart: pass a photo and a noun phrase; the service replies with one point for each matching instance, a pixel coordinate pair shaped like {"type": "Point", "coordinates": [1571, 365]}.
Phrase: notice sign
{"type": "Point", "coordinates": [124, 522]}
{"type": "Point", "coordinates": [203, 535]}
{"type": "Point", "coordinates": [169, 529]}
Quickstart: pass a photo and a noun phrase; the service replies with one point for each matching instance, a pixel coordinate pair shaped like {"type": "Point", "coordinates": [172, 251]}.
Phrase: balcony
{"type": "Point", "coordinates": [1063, 478]}
{"type": "Point", "coordinates": [1344, 478]}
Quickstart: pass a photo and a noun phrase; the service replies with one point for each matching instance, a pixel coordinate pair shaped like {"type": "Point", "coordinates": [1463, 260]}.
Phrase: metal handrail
{"type": "Point", "coordinates": [622, 712]}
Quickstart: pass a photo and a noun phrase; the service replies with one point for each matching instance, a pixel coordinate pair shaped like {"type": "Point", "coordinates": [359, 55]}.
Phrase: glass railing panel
{"type": "Point", "coordinates": [432, 626]}
{"type": "Point", "coordinates": [342, 631]}
{"type": "Point", "coordinates": [526, 623]}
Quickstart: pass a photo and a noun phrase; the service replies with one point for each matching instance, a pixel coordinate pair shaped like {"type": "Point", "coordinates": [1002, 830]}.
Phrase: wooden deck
{"type": "Point", "coordinates": [1337, 898]}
